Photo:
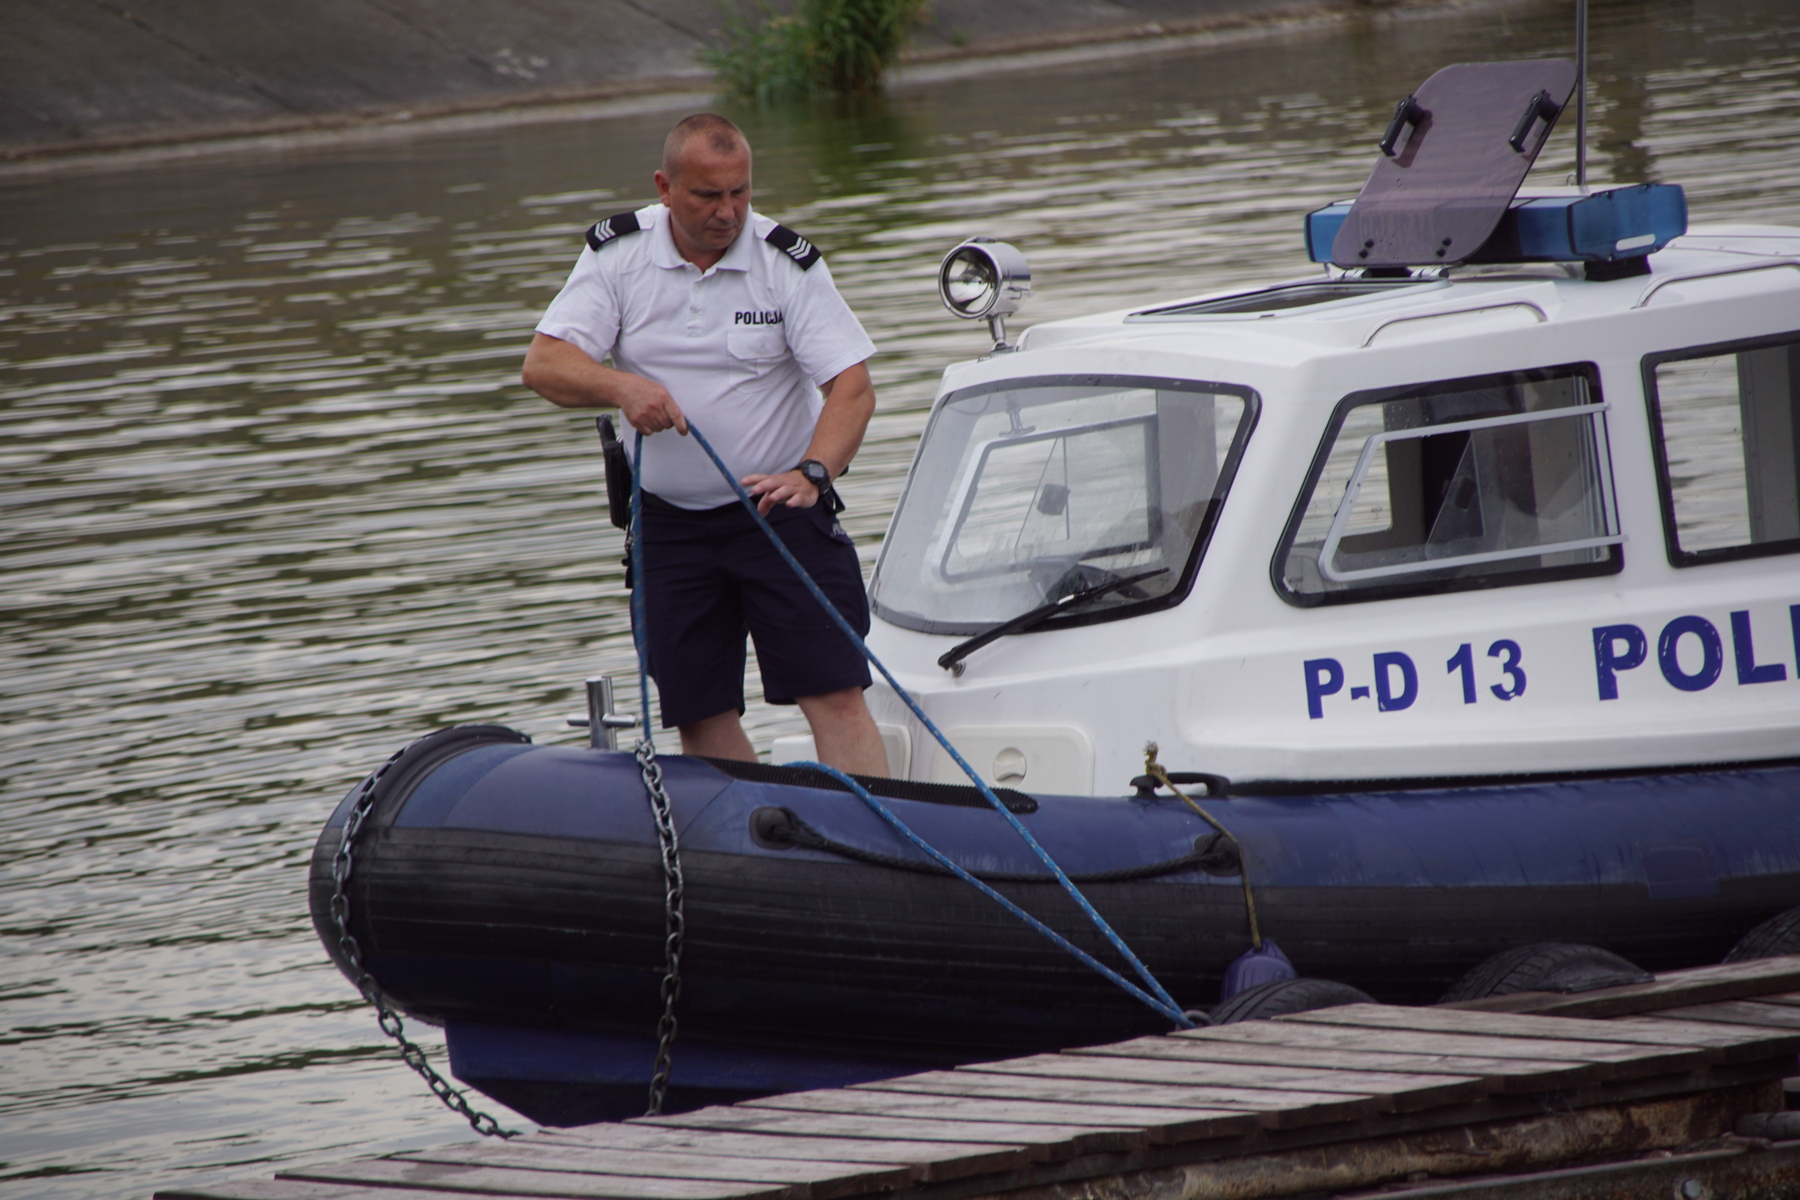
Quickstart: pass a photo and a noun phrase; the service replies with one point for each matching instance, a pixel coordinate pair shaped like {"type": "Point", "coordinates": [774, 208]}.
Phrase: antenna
{"type": "Point", "coordinates": [1581, 94]}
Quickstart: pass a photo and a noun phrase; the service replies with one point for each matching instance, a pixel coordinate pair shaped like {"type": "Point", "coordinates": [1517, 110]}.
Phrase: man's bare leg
{"type": "Point", "coordinates": [718, 736]}
{"type": "Point", "coordinates": [844, 734]}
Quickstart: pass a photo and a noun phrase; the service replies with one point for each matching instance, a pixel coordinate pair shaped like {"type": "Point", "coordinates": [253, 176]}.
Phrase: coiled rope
{"type": "Point", "coordinates": [1152, 993]}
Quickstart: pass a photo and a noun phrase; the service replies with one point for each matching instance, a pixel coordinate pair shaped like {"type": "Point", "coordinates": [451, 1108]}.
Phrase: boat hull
{"type": "Point", "coordinates": [515, 894]}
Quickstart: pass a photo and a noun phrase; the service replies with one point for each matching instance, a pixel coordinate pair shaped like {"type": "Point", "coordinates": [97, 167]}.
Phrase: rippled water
{"type": "Point", "coordinates": [276, 502]}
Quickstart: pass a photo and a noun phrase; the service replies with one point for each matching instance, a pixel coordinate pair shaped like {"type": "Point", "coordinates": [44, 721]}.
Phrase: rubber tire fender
{"type": "Point", "coordinates": [1282, 996]}
{"type": "Point", "coordinates": [1545, 967]}
{"type": "Point", "coordinates": [1778, 935]}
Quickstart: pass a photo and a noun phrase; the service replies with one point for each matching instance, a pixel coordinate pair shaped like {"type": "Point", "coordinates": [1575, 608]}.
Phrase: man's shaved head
{"type": "Point", "coordinates": [721, 137]}
{"type": "Point", "coordinates": [705, 185]}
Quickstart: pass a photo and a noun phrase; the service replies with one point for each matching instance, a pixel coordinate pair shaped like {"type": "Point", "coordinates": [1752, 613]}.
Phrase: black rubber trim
{"type": "Point", "coordinates": [893, 789]}
{"type": "Point", "coordinates": [1324, 787]}
{"type": "Point", "coordinates": [778, 826]}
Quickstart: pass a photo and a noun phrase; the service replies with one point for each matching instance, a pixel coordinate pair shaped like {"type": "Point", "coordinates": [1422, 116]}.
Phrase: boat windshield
{"type": "Point", "coordinates": [1026, 492]}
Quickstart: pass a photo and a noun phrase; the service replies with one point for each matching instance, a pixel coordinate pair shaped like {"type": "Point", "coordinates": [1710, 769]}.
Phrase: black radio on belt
{"type": "Point", "coordinates": [618, 474]}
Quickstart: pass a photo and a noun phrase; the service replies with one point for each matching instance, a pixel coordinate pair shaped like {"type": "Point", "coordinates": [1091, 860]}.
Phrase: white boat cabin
{"type": "Point", "coordinates": [1393, 523]}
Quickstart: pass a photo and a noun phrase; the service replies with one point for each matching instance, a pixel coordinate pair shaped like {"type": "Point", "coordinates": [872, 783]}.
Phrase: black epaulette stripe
{"type": "Point", "coordinates": [615, 226]}
{"type": "Point", "coordinates": [793, 245]}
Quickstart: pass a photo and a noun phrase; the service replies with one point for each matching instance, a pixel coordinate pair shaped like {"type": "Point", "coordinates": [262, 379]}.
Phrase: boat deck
{"type": "Point", "coordinates": [1627, 1091]}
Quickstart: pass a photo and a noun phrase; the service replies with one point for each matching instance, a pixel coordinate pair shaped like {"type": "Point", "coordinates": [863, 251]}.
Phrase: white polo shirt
{"type": "Point", "coordinates": [743, 347]}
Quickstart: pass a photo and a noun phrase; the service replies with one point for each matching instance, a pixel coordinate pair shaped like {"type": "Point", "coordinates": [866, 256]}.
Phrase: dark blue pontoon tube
{"type": "Point", "coordinates": [1157, 997]}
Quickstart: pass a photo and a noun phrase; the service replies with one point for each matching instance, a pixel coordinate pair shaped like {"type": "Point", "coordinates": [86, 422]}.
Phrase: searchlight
{"type": "Point", "coordinates": [985, 279]}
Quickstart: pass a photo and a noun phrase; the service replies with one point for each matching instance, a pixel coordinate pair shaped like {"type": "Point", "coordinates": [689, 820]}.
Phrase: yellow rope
{"type": "Point", "coordinates": [1155, 770]}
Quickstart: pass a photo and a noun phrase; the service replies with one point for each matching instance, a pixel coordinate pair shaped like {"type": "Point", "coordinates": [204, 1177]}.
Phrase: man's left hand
{"type": "Point", "coordinates": [790, 488]}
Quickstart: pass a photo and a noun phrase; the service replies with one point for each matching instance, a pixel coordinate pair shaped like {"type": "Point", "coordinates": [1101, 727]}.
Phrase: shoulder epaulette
{"type": "Point", "coordinates": [793, 245]}
{"type": "Point", "coordinates": [615, 226]}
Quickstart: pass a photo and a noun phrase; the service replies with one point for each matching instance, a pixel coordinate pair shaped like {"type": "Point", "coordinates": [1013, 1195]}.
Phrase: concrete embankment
{"type": "Point", "coordinates": [95, 74]}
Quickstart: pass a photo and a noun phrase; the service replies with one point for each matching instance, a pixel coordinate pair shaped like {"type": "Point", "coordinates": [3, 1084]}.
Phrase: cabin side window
{"type": "Point", "coordinates": [1726, 425]}
{"type": "Point", "coordinates": [1448, 486]}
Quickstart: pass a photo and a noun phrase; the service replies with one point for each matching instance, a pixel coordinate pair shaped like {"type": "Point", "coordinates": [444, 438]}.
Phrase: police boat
{"type": "Point", "coordinates": [1457, 586]}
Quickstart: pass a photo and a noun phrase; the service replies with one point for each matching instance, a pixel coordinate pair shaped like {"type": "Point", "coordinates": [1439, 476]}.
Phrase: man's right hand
{"type": "Point", "coordinates": [646, 404]}
{"type": "Point", "coordinates": [563, 373]}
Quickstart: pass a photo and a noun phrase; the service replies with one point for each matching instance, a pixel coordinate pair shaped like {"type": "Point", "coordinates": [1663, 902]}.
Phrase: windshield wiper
{"type": "Point", "coordinates": [951, 659]}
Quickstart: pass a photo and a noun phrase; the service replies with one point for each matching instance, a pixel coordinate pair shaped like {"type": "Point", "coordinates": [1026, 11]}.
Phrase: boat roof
{"type": "Point", "coordinates": [1317, 316]}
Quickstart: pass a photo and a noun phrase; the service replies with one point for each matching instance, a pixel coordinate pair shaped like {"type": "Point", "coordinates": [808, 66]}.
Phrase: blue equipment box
{"type": "Point", "coordinates": [1609, 226]}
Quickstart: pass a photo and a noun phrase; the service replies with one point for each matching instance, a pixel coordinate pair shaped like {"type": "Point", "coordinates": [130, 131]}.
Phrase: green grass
{"type": "Point", "coordinates": [826, 47]}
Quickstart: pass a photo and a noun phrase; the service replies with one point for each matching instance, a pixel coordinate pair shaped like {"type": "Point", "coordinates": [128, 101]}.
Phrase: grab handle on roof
{"type": "Point", "coordinates": [1539, 108]}
{"type": "Point", "coordinates": [1663, 281]}
{"type": "Point", "coordinates": [1529, 306]}
{"type": "Point", "coordinates": [1407, 115]}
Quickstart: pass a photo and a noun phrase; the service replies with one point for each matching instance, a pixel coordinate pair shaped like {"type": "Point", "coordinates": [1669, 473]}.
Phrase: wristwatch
{"type": "Point", "coordinates": [819, 475]}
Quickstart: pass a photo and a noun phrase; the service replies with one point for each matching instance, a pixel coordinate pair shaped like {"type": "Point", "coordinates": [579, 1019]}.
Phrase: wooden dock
{"type": "Point", "coordinates": [1625, 1092]}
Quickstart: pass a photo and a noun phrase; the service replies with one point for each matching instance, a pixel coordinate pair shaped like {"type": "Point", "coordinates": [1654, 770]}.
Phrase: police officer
{"type": "Point", "coordinates": [710, 310]}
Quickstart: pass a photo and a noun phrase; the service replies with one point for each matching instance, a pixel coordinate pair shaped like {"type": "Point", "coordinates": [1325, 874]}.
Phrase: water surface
{"type": "Point", "coordinates": [277, 503]}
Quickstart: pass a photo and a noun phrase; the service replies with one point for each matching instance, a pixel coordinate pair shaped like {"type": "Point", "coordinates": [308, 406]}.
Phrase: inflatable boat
{"type": "Point", "coordinates": [515, 894]}
{"type": "Point", "coordinates": [1458, 585]}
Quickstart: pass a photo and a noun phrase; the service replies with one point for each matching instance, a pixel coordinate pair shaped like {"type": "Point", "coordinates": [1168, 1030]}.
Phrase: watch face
{"type": "Point", "coordinates": [816, 473]}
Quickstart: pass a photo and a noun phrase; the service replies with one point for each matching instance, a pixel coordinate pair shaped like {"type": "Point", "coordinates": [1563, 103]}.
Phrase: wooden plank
{"type": "Point", "coordinates": [1607, 1059]}
{"type": "Point", "coordinates": [1731, 1041]}
{"type": "Point", "coordinates": [1672, 989]}
{"type": "Point", "coordinates": [1790, 999]}
{"type": "Point", "coordinates": [1405, 1090]}
{"type": "Point", "coordinates": [1660, 1031]}
{"type": "Point", "coordinates": [1655, 1029]}
{"type": "Point", "coordinates": [1274, 1107]}
{"type": "Point", "coordinates": [928, 1161]}
{"type": "Point", "coordinates": [1186, 1072]}
{"type": "Point", "coordinates": [817, 1181]}
{"type": "Point", "coordinates": [1650, 1034]}
{"type": "Point", "coordinates": [1219, 1102]}
{"type": "Point", "coordinates": [947, 1092]}
{"type": "Point", "coordinates": [1738, 1012]}
{"type": "Point", "coordinates": [1143, 1124]}
{"type": "Point", "coordinates": [498, 1181]}
{"type": "Point", "coordinates": [1044, 1142]}
{"type": "Point", "coordinates": [1260, 1042]}
{"type": "Point", "coordinates": [273, 1189]}
{"type": "Point", "coordinates": [1285, 1108]}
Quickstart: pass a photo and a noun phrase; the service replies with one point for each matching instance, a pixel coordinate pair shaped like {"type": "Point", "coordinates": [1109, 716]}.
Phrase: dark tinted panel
{"type": "Point", "coordinates": [1727, 433]}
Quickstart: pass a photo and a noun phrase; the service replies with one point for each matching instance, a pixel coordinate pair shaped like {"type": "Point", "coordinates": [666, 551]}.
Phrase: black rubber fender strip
{"type": "Point", "coordinates": [957, 795]}
{"type": "Point", "coordinates": [782, 827]}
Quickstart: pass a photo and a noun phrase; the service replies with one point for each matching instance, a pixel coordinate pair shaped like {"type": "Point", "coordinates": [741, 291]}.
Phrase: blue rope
{"type": "Point", "coordinates": [1157, 998]}
{"type": "Point", "coordinates": [1166, 1009]}
{"type": "Point", "coordinates": [638, 633]}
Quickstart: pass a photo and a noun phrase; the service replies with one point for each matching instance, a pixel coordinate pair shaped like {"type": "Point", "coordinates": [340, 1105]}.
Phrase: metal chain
{"type": "Point", "coordinates": [342, 864]}
{"type": "Point", "coordinates": [674, 923]}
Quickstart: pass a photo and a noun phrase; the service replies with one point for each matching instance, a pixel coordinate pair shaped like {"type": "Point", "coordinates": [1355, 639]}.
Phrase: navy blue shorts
{"type": "Point", "coordinates": [711, 577]}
